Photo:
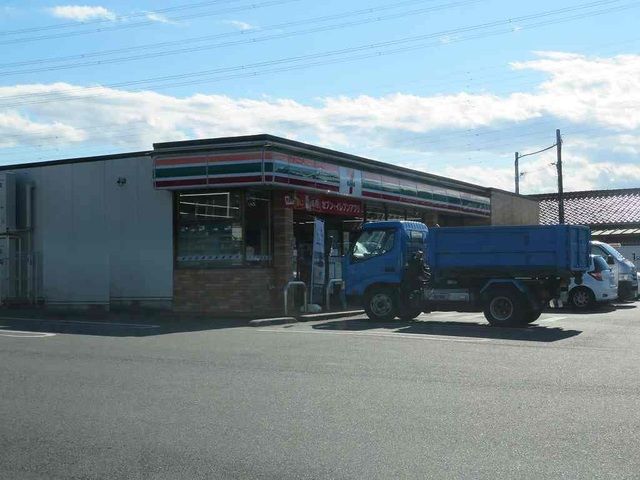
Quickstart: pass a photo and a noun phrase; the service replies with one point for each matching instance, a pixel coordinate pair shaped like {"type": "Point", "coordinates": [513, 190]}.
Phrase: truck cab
{"type": "Point", "coordinates": [377, 263]}
{"type": "Point", "coordinates": [625, 271]}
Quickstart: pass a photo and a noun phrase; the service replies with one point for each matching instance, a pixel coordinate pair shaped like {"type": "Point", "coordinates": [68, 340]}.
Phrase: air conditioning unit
{"type": "Point", "coordinates": [7, 202]}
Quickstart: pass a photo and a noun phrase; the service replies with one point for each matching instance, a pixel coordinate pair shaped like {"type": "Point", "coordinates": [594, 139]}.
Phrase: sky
{"type": "Point", "coordinates": [450, 87]}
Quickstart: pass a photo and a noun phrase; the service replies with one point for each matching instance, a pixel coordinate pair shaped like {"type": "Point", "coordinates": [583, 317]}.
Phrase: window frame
{"type": "Point", "coordinates": [604, 266]}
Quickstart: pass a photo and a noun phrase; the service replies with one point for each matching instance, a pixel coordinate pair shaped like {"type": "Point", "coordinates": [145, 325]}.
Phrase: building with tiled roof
{"type": "Point", "coordinates": [613, 215]}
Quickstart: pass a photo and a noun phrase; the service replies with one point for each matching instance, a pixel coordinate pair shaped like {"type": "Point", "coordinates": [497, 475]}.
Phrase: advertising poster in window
{"type": "Point", "coordinates": [318, 263]}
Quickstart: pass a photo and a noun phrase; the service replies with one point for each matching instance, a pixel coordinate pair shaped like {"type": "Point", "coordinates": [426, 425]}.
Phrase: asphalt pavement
{"type": "Point", "coordinates": [445, 396]}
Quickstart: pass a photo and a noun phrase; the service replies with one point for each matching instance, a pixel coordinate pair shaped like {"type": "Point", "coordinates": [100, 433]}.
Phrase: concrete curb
{"type": "Point", "coordinates": [262, 322]}
{"type": "Point", "coordinates": [310, 317]}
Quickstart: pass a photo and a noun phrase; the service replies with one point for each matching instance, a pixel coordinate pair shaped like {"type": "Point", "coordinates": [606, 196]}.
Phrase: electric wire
{"type": "Point", "coordinates": [242, 69]}
{"type": "Point", "coordinates": [127, 26]}
{"type": "Point", "coordinates": [76, 24]}
{"type": "Point", "coordinates": [242, 33]}
{"type": "Point", "coordinates": [245, 41]}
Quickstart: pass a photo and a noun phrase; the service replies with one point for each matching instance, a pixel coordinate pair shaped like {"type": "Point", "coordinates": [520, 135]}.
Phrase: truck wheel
{"type": "Point", "coordinates": [532, 315]}
{"type": "Point", "coordinates": [380, 304]}
{"type": "Point", "coordinates": [505, 308]}
{"type": "Point", "coordinates": [409, 313]}
{"type": "Point", "coordinates": [582, 298]}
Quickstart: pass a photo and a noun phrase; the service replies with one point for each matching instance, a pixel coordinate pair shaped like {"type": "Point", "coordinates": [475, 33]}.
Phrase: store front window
{"type": "Point", "coordinates": [223, 229]}
{"type": "Point", "coordinates": [257, 216]}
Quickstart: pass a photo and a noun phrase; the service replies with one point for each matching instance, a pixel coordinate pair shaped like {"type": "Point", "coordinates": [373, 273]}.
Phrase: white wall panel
{"type": "Point", "coordinates": [141, 245]}
{"type": "Point", "coordinates": [102, 241]}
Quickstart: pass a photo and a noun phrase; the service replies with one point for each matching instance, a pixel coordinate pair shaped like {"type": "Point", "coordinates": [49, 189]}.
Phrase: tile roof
{"type": "Point", "coordinates": [595, 207]}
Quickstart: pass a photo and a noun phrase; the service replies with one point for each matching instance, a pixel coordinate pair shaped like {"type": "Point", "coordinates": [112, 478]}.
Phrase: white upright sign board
{"type": "Point", "coordinates": [318, 262]}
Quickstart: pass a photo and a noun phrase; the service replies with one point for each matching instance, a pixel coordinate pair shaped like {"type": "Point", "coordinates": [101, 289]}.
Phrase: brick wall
{"type": "Point", "coordinates": [252, 292]}
{"type": "Point", "coordinates": [237, 292]}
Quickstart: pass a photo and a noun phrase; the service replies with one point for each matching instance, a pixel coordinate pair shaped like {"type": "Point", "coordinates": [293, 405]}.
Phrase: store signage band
{"type": "Point", "coordinates": [218, 170]}
{"type": "Point", "coordinates": [323, 204]}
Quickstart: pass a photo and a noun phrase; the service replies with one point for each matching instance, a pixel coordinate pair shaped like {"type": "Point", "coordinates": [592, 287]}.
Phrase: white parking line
{"type": "Point", "coordinates": [551, 319]}
{"type": "Point", "coordinates": [79, 322]}
{"type": "Point", "coordinates": [383, 334]}
{"type": "Point", "coordinates": [20, 334]}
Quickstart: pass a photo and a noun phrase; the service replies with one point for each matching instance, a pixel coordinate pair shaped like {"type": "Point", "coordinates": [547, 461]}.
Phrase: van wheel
{"type": "Point", "coordinates": [505, 308]}
{"type": "Point", "coordinates": [582, 298]}
{"type": "Point", "coordinates": [380, 304]}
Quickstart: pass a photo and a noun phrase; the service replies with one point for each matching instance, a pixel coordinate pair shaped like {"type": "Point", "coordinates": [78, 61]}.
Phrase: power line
{"type": "Point", "coordinates": [242, 69]}
{"type": "Point", "coordinates": [539, 151]}
{"type": "Point", "coordinates": [474, 77]}
{"type": "Point", "coordinates": [243, 33]}
{"type": "Point", "coordinates": [529, 172]}
{"type": "Point", "coordinates": [579, 131]}
{"type": "Point", "coordinates": [58, 26]}
{"type": "Point", "coordinates": [450, 136]}
{"type": "Point", "coordinates": [123, 26]}
{"type": "Point", "coordinates": [244, 41]}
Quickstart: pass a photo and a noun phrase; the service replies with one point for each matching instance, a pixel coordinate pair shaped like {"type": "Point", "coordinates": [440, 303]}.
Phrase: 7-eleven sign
{"type": "Point", "coordinates": [350, 181]}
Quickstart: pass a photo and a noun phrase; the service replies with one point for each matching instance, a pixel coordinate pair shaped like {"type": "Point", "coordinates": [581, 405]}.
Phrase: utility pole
{"type": "Point", "coordinates": [517, 174]}
{"type": "Point", "coordinates": [559, 168]}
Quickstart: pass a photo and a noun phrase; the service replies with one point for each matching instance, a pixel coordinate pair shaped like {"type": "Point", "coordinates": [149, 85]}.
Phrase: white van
{"type": "Point", "coordinates": [624, 271]}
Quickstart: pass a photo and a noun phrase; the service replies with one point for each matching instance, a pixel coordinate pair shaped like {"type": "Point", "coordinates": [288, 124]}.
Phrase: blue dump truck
{"type": "Point", "coordinates": [401, 269]}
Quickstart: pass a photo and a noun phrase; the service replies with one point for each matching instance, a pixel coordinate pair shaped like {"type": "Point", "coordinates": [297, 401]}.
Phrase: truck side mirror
{"type": "Point", "coordinates": [610, 260]}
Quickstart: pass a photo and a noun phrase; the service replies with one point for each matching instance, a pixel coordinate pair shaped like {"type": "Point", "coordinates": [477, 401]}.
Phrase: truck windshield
{"type": "Point", "coordinates": [372, 243]}
{"type": "Point", "coordinates": [612, 251]}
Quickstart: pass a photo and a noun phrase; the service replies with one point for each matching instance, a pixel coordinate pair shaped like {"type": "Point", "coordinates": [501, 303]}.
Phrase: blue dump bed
{"type": "Point", "coordinates": [514, 251]}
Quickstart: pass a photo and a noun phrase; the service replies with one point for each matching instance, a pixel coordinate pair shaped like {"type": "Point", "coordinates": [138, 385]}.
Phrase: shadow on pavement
{"type": "Point", "coordinates": [598, 309]}
{"type": "Point", "coordinates": [532, 333]}
{"type": "Point", "coordinates": [625, 306]}
{"type": "Point", "coordinates": [113, 326]}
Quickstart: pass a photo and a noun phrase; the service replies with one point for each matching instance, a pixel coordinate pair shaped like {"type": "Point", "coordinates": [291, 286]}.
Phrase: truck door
{"type": "Point", "coordinates": [599, 250]}
{"type": "Point", "coordinates": [374, 258]}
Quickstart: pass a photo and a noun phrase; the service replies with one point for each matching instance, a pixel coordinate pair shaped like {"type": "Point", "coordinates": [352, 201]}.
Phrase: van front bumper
{"type": "Point", "coordinates": [628, 289]}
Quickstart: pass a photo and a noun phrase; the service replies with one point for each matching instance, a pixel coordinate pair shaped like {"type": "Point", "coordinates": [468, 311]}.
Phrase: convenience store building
{"type": "Point", "coordinates": [218, 226]}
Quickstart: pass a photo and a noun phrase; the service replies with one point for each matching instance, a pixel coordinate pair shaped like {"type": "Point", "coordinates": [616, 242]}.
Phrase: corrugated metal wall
{"type": "Point", "coordinates": [102, 242]}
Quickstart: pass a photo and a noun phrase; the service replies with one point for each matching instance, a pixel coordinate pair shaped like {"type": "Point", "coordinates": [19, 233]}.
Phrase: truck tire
{"type": "Point", "coordinates": [380, 304]}
{"type": "Point", "coordinates": [581, 298]}
{"type": "Point", "coordinates": [408, 313]}
{"type": "Point", "coordinates": [505, 308]}
{"type": "Point", "coordinates": [532, 315]}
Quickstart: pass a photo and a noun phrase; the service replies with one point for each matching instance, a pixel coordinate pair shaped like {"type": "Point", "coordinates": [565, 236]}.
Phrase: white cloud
{"type": "Point", "coordinates": [82, 13]}
{"type": "Point", "coordinates": [243, 26]}
{"type": "Point", "coordinates": [602, 94]}
{"type": "Point", "coordinates": [582, 89]}
{"type": "Point", "coordinates": [579, 173]}
{"type": "Point", "coordinates": [15, 129]}
{"type": "Point", "coordinates": [158, 17]}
